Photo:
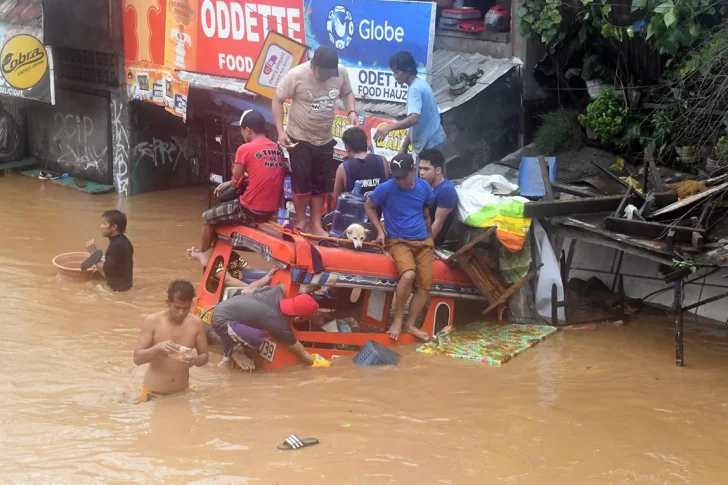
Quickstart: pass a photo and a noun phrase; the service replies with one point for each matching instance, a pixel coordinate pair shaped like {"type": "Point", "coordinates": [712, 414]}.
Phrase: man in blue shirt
{"type": "Point", "coordinates": [423, 116]}
{"type": "Point", "coordinates": [446, 198]}
{"type": "Point", "coordinates": [405, 200]}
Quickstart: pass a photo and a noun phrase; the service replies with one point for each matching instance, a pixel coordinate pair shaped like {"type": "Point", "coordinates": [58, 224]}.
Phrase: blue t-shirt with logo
{"type": "Point", "coordinates": [428, 132]}
{"type": "Point", "coordinates": [403, 216]}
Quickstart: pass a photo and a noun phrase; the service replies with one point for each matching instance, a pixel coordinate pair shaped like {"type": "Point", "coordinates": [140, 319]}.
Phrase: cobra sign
{"type": "Point", "coordinates": [26, 69]}
{"type": "Point", "coordinates": [366, 34]}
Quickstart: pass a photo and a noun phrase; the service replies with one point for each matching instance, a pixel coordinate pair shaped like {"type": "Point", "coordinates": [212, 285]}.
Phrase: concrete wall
{"type": "Point", "coordinates": [642, 277]}
{"type": "Point", "coordinates": [164, 152]}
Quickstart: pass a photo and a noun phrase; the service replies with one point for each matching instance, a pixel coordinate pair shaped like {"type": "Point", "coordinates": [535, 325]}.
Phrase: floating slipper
{"type": "Point", "coordinates": [92, 260]}
{"type": "Point", "coordinates": [293, 442]}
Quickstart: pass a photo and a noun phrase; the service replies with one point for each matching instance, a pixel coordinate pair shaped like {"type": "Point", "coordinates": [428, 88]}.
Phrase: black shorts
{"type": "Point", "coordinates": [234, 213]}
{"type": "Point", "coordinates": [311, 168]}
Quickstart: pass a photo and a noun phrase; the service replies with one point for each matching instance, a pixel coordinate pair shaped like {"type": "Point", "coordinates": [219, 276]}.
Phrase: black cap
{"type": "Point", "coordinates": [251, 119]}
{"type": "Point", "coordinates": [401, 165]}
{"type": "Point", "coordinates": [326, 61]}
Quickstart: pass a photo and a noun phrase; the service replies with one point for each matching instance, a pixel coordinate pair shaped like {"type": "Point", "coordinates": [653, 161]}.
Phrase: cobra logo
{"type": "Point", "coordinates": [340, 26]}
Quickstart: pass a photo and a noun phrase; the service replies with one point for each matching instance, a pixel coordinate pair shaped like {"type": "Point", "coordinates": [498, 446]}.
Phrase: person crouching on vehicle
{"type": "Point", "coordinates": [265, 309]}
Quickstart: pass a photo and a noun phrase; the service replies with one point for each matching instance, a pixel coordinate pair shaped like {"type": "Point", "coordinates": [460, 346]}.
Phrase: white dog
{"type": "Point", "coordinates": [356, 233]}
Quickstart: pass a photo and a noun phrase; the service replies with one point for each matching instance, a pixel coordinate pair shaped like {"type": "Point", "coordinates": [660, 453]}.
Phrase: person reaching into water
{"type": "Point", "coordinates": [241, 318]}
{"type": "Point", "coordinates": [118, 264]}
{"type": "Point", "coordinates": [171, 342]}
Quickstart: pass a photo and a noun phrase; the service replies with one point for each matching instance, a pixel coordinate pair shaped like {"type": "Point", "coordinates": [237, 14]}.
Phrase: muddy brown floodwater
{"type": "Point", "coordinates": [606, 406]}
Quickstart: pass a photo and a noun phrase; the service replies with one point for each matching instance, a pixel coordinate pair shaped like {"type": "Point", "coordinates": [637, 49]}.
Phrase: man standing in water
{"type": "Point", "coordinates": [118, 265]}
{"type": "Point", "coordinates": [406, 201]}
{"type": "Point", "coordinates": [313, 88]}
{"type": "Point", "coordinates": [423, 115]}
{"type": "Point", "coordinates": [167, 343]}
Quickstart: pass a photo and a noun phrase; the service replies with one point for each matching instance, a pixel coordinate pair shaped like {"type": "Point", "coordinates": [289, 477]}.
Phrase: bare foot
{"type": "Point", "coordinates": [319, 232]}
{"type": "Point", "coordinates": [202, 257]}
{"type": "Point", "coordinates": [417, 333]}
{"type": "Point", "coordinates": [395, 329]}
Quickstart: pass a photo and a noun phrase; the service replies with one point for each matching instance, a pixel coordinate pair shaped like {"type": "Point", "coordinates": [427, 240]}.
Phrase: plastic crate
{"type": "Point", "coordinates": [374, 353]}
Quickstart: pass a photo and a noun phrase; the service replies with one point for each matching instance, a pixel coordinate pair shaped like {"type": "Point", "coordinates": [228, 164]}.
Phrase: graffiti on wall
{"type": "Point", "coordinates": [161, 153]}
{"type": "Point", "coordinates": [120, 148]}
{"type": "Point", "coordinates": [78, 146]}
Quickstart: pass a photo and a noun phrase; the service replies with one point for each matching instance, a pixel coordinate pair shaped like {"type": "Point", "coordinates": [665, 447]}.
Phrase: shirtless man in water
{"type": "Point", "coordinates": [167, 343]}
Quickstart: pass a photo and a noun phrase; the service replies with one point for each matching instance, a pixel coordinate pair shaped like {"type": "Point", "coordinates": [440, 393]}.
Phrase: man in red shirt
{"type": "Point", "coordinates": [265, 165]}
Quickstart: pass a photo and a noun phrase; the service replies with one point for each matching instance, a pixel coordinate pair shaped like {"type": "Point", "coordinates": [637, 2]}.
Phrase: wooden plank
{"type": "Point", "coordinates": [650, 230]}
{"type": "Point", "coordinates": [510, 291]}
{"type": "Point", "coordinates": [554, 208]}
{"type": "Point", "coordinates": [471, 244]}
{"type": "Point", "coordinates": [545, 176]}
{"type": "Point", "coordinates": [688, 201]}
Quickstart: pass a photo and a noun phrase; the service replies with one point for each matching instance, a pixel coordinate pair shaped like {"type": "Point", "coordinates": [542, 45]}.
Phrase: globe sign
{"type": "Point", "coordinates": [340, 26]}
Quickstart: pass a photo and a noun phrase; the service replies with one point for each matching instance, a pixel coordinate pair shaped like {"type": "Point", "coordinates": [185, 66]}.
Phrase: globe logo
{"type": "Point", "coordinates": [340, 26]}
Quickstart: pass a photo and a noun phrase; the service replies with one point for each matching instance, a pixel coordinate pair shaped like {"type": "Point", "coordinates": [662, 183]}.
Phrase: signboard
{"type": "Point", "coordinates": [147, 47]}
{"type": "Point", "coordinates": [231, 33]}
{"type": "Point", "coordinates": [366, 34]}
{"type": "Point", "coordinates": [387, 148]}
{"type": "Point", "coordinates": [278, 56]}
{"type": "Point", "coordinates": [158, 85]}
{"type": "Point", "coordinates": [26, 65]}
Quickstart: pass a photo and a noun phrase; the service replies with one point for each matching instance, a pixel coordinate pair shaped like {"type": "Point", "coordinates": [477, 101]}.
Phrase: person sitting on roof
{"type": "Point", "coordinates": [368, 168]}
{"type": "Point", "coordinates": [265, 165]}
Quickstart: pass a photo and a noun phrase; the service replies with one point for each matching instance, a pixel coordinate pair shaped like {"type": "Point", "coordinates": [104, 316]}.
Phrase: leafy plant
{"type": "Point", "coordinates": [606, 116]}
{"type": "Point", "coordinates": [721, 149]}
{"type": "Point", "coordinates": [560, 132]}
{"type": "Point", "coordinates": [453, 79]}
{"type": "Point", "coordinates": [543, 19]}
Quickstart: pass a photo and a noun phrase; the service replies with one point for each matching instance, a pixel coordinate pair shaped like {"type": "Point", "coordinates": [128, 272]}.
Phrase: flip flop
{"type": "Point", "coordinates": [92, 260]}
{"type": "Point", "coordinates": [293, 442]}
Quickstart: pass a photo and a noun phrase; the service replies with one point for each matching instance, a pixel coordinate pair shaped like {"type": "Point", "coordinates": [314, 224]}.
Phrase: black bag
{"type": "Point", "coordinates": [229, 193]}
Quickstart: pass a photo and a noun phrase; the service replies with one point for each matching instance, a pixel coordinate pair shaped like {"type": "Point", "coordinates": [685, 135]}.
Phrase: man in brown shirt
{"type": "Point", "coordinates": [313, 88]}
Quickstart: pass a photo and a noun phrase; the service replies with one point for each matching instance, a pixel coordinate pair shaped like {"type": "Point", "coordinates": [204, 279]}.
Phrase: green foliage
{"type": "Point", "coordinates": [606, 116]}
{"type": "Point", "coordinates": [544, 19]}
{"type": "Point", "coordinates": [560, 132]}
{"type": "Point", "coordinates": [672, 26]}
{"type": "Point", "coordinates": [721, 148]}
{"type": "Point", "coordinates": [702, 60]}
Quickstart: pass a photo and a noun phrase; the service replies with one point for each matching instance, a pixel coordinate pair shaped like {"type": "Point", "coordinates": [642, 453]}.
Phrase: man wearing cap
{"type": "Point", "coordinates": [423, 115]}
{"type": "Point", "coordinates": [313, 88]}
{"type": "Point", "coordinates": [264, 309]}
{"type": "Point", "coordinates": [405, 200]}
{"type": "Point", "coordinates": [265, 165]}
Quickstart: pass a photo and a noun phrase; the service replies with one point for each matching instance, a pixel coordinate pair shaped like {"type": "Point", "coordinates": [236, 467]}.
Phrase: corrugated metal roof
{"type": "Point", "coordinates": [443, 61]}
{"type": "Point", "coordinates": [207, 81]}
{"type": "Point", "coordinates": [22, 12]}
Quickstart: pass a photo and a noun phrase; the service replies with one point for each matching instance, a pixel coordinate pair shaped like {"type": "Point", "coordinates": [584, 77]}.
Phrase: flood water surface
{"type": "Point", "coordinates": [604, 406]}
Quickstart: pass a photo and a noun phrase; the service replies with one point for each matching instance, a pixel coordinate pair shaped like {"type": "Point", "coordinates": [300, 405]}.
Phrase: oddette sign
{"type": "Point", "coordinates": [366, 34]}
{"type": "Point", "coordinates": [24, 61]}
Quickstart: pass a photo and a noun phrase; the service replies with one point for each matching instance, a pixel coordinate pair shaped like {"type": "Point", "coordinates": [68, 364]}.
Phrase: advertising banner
{"type": "Point", "coordinates": [278, 56]}
{"type": "Point", "coordinates": [231, 33]}
{"type": "Point", "coordinates": [181, 35]}
{"type": "Point", "coordinates": [366, 34]}
{"type": "Point", "coordinates": [26, 69]}
{"type": "Point", "coordinates": [157, 31]}
{"type": "Point", "coordinates": [387, 148]}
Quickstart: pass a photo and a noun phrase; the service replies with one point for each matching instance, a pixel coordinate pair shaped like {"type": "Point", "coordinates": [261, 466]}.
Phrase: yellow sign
{"type": "Point", "coordinates": [205, 315]}
{"type": "Point", "coordinates": [278, 56]}
{"type": "Point", "coordinates": [24, 61]}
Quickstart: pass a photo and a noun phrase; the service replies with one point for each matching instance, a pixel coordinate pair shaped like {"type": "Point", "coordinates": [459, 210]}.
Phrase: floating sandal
{"type": "Point", "coordinates": [293, 442]}
{"type": "Point", "coordinates": [320, 361]}
{"type": "Point", "coordinates": [92, 260]}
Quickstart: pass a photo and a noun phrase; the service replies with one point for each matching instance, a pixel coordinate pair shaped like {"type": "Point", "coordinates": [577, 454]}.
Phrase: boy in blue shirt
{"type": "Point", "coordinates": [446, 198]}
{"type": "Point", "coordinates": [423, 115]}
{"type": "Point", "coordinates": [405, 200]}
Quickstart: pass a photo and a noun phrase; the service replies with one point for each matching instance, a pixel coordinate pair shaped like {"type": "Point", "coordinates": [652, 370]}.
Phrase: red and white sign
{"type": "Point", "coordinates": [231, 33]}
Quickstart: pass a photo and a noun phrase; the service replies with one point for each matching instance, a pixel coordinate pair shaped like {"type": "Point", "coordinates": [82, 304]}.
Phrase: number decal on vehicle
{"type": "Point", "coordinates": [267, 350]}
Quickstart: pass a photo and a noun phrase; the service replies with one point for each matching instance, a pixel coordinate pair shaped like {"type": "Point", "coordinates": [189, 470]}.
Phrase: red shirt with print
{"type": "Point", "coordinates": [266, 168]}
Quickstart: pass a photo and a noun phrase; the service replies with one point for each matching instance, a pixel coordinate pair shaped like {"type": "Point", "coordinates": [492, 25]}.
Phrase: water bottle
{"type": "Point", "coordinates": [357, 188]}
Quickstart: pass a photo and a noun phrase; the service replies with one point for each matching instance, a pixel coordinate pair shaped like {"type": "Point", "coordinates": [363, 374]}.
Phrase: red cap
{"type": "Point", "coordinates": [303, 306]}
